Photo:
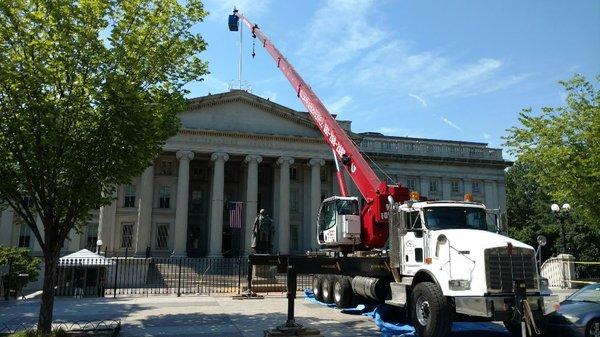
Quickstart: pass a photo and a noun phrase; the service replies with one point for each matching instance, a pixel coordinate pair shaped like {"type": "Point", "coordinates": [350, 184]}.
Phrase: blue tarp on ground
{"type": "Point", "coordinates": [392, 325]}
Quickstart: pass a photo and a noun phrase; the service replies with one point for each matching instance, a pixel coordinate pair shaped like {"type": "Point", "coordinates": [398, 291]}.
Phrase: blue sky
{"type": "Point", "coordinates": [459, 70]}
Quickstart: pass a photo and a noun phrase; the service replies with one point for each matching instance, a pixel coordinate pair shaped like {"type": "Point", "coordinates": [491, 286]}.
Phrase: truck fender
{"type": "Point", "coordinates": [424, 275]}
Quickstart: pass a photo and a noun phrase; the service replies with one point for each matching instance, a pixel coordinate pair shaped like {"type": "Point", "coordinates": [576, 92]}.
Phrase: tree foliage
{"type": "Point", "coordinates": [558, 161]}
{"type": "Point", "coordinates": [17, 261]}
{"type": "Point", "coordinates": [89, 92]}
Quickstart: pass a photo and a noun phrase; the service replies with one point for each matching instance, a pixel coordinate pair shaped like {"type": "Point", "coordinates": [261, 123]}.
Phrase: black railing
{"type": "Point", "coordinates": [170, 276]}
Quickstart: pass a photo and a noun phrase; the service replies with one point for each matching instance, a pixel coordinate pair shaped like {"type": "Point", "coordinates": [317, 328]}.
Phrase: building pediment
{"type": "Point", "coordinates": [240, 111]}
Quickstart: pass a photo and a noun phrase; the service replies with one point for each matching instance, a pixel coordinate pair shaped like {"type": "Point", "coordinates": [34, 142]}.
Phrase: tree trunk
{"type": "Point", "coordinates": [47, 306]}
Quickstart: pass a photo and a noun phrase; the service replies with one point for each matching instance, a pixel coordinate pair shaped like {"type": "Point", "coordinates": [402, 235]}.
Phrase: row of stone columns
{"type": "Point", "coordinates": [144, 216]}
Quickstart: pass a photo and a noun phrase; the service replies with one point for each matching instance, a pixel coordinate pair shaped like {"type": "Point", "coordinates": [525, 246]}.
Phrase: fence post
{"type": "Point", "coordinates": [239, 274]}
{"type": "Point", "coordinates": [116, 273]}
{"type": "Point", "coordinates": [179, 280]}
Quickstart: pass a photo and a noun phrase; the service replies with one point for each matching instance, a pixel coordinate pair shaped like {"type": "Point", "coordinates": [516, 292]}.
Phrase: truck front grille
{"type": "Point", "coordinates": [502, 268]}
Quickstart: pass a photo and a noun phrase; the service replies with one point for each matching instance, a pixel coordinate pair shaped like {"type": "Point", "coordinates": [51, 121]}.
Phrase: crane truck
{"type": "Point", "coordinates": [442, 261]}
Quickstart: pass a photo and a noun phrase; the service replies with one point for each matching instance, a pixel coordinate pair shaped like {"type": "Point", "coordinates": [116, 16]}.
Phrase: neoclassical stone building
{"type": "Point", "coordinates": [238, 147]}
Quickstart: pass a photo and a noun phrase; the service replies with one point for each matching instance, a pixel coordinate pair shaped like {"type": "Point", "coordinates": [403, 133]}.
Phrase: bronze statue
{"type": "Point", "coordinates": [262, 233]}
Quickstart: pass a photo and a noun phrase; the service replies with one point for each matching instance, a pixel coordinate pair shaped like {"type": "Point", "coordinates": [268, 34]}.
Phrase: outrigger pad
{"type": "Point", "coordinates": [295, 331]}
{"type": "Point", "coordinates": [248, 295]}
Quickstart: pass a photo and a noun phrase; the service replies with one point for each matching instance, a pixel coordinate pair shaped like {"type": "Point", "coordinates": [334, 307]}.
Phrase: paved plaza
{"type": "Point", "coordinates": [201, 316]}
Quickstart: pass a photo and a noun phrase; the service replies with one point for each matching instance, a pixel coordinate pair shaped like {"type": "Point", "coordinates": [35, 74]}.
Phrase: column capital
{"type": "Point", "coordinates": [253, 158]}
{"type": "Point", "coordinates": [184, 155]}
{"type": "Point", "coordinates": [219, 155]}
{"type": "Point", "coordinates": [285, 161]}
{"type": "Point", "coordinates": [316, 162]}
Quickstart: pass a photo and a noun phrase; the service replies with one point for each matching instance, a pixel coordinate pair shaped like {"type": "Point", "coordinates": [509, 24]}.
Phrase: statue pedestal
{"type": "Point", "coordinates": [264, 274]}
{"type": "Point", "coordinates": [264, 280]}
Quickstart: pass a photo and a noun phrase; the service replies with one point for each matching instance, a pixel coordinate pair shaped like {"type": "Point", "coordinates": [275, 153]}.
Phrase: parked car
{"type": "Point", "coordinates": [578, 315]}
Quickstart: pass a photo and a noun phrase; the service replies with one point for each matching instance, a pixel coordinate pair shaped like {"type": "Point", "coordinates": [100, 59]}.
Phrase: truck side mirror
{"type": "Point", "coordinates": [402, 230]}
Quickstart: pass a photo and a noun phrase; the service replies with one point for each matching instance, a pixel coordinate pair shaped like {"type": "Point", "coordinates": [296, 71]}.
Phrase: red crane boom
{"type": "Point", "coordinates": [375, 191]}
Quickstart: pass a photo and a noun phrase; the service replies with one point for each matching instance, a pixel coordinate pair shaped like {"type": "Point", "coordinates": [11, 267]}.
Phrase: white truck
{"type": "Point", "coordinates": [447, 262]}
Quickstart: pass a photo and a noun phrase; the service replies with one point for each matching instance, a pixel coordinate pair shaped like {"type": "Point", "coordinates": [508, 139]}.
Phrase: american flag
{"type": "Point", "coordinates": [235, 214]}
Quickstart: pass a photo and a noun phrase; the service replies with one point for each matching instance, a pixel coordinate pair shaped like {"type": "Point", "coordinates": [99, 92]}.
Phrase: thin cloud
{"type": "Point", "coordinates": [486, 135]}
{"type": "Point", "coordinates": [339, 32]}
{"type": "Point", "coordinates": [344, 46]}
{"type": "Point", "coordinates": [451, 123]}
{"type": "Point", "coordinates": [338, 105]}
{"type": "Point", "coordinates": [419, 98]}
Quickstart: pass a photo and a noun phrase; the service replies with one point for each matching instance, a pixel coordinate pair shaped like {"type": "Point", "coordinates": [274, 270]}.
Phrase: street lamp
{"type": "Point", "coordinates": [562, 214]}
{"type": "Point", "coordinates": [542, 241]}
{"type": "Point", "coordinates": [99, 246]}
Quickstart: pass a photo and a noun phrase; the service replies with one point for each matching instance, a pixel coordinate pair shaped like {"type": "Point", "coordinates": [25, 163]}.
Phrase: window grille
{"type": "Point", "coordinates": [126, 234]}
{"type": "Point", "coordinates": [162, 236]}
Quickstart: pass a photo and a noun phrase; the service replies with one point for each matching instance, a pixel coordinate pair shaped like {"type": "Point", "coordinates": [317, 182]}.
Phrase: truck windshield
{"type": "Point", "coordinates": [347, 207]}
{"type": "Point", "coordinates": [437, 218]}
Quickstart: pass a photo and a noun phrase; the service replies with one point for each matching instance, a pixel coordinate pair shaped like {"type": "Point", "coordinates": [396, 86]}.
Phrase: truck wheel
{"type": "Point", "coordinates": [342, 292]}
{"type": "Point", "coordinates": [317, 287]}
{"type": "Point", "coordinates": [327, 288]}
{"type": "Point", "coordinates": [430, 312]}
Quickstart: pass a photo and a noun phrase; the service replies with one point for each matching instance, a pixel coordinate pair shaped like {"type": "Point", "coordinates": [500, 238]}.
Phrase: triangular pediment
{"type": "Point", "coordinates": [242, 112]}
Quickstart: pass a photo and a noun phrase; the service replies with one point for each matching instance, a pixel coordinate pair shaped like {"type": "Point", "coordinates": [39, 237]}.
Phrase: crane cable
{"type": "Point", "coordinates": [372, 161]}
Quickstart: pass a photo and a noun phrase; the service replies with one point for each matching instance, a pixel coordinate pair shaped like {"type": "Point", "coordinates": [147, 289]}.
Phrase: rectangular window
{"type": "Point", "coordinates": [293, 173]}
{"type": "Point", "coordinates": [129, 196]}
{"type": "Point", "coordinates": [433, 186]}
{"type": "Point", "coordinates": [91, 237]}
{"type": "Point", "coordinates": [455, 186]}
{"type": "Point", "coordinates": [294, 237]}
{"type": "Point", "coordinates": [294, 201]}
{"type": "Point", "coordinates": [324, 173]}
{"type": "Point", "coordinates": [411, 183]}
{"type": "Point", "coordinates": [476, 188]}
{"type": "Point", "coordinates": [164, 197]}
{"type": "Point", "coordinates": [126, 234]}
{"type": "Point", "coordinates": [24, 236]}
{"type": "Point", "coordinates": [166, 167]}
{"type": "Point", "coordinates": [162, 236]}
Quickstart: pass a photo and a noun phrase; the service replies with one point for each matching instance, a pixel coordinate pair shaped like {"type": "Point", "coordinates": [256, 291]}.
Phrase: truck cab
{"type": "Point", "coordinates": [457, 248]}
{"type": "Point", "coordinates": [339, 222]}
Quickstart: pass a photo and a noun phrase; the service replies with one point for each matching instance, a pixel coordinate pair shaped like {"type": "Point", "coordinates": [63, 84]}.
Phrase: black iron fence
{"type": "Point", "coordinates": [170, 276]}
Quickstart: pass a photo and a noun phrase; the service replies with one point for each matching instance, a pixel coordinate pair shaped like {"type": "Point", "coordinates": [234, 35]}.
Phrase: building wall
{"type": "Point", "coordinates": [223, 137]}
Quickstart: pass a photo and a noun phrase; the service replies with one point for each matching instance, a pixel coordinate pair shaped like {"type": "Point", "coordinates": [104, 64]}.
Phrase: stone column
{"type": "Point", "coordinates": [106, 224]}
{"type": "Point", "coordinates": [216, 214]}
{"type": "Point", "coordinates": [446, 188]}
{"type": "Point", "coordinates": [74, 241]}
{"type": "Point", "coordinates": [181, 210]}
{"type": "Point", "coordinates": [424, 187]}
{"type": "Point", "coordinates": [144, 218]}
{"type": "Point", "coordinates": [315, 198]}
{"type": "Point", "coordinates": [251, 198]}
{"type": "Point", "coordinates": [491, 194]}
{"type": "Point", "coordinates": [6, 227]}
{"type": "Point", "coordinates": [283, 228]}
{"type": "Point", "coordinates": [502, 195]}
{"type": "Point", "coordinates": [35, 245]}
{"type": "Point", "coordinates": [468, 186]}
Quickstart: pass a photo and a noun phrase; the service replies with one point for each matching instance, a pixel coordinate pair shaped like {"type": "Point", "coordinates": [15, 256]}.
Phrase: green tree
{"type": "Point", "coordinates": [558, 152]}
{"type": "Point", "coordinates": [89, 92]}
{"type": "Point", "coordinates": [17, 261]}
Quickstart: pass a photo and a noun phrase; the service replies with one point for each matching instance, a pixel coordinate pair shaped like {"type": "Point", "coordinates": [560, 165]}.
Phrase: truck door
{"type": "Point", "coordinates": [413, 243]}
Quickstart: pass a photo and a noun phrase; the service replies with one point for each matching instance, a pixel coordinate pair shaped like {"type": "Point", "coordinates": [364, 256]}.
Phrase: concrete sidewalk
{"type": "Point", "coordinates": [193, 316]}
{"type": "Point", "coordinates": [203, 316]}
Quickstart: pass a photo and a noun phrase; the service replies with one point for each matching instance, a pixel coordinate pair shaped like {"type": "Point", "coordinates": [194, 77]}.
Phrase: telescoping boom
{"type": "Point", "coordinates": [376, 193]}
